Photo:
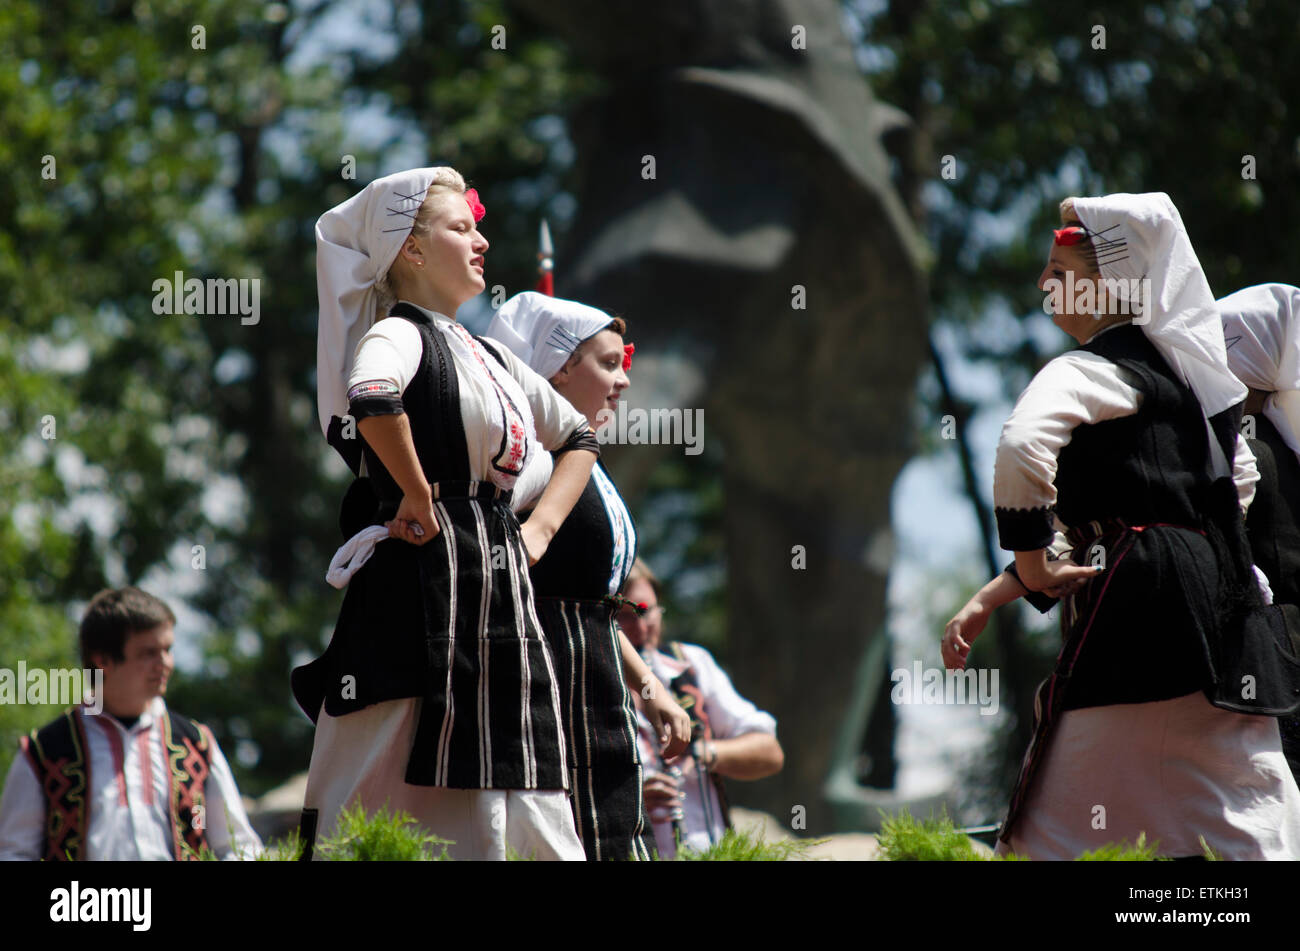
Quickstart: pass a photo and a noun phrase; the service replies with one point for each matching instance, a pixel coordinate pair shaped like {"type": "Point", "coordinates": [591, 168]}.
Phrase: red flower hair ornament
{"type": "Point", "coordinates": [628, 350]}
{"type": "Point", "coordinates": [475, 206]}
{"type": "Point", "coordinates": [1071, 235]}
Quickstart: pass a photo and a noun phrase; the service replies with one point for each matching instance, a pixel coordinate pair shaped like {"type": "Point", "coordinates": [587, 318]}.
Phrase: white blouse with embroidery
{"type": "Point", "coordinates": [390, 354]}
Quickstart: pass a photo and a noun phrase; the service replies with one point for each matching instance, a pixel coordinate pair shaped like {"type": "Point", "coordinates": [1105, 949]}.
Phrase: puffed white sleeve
{"type": "Point", "coordinates": [559, 425]}
{"type": "Point", "coordinates": [22, 814]}
{"type": "Point", "coordinates": [1075, 388]}
{"type": "Point", "coordinates": [1244, 473]}
{"type": "Point", "coordinates": [387, 359]}
{"type": "Point", "coordinates": [229, 833]}
{"type": "Point", "coordinates": [532, 481]}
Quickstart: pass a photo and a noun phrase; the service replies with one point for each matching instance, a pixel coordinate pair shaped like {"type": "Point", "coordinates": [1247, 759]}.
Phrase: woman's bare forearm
{"type": "Point", "coordinates": [390, 438]}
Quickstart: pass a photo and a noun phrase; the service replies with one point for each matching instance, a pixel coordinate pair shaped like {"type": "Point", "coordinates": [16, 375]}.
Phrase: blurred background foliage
{"type": "Point", "coordinates": [173, 432]}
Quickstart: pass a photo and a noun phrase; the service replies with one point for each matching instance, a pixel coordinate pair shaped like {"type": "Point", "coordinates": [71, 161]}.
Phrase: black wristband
{"type": "Point", "coordinates": [1043, 602]}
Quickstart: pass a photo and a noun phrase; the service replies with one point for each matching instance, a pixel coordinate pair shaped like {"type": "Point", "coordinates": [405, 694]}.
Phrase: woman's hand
{"type": "Point", "coordinates": [672, 724]}
{"type": "Point", "coordinates": [414, 522]}
{"type": "Point", "coordinates": [1056, 578]}
{"type": "Point", "coordinates": [960, 633]}
{"type": "Point", "coordinates": [536, 540]}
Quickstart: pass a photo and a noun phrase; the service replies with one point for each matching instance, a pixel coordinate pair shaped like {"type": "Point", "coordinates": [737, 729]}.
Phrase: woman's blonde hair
{"type": "Point", "coordinates": [446, 180]}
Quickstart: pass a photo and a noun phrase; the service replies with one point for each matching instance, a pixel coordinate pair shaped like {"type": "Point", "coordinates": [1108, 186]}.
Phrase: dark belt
{"type": "Point", "coordinates": [1078, 535]}
{"type": "Point", "coordinates": [484, 491]}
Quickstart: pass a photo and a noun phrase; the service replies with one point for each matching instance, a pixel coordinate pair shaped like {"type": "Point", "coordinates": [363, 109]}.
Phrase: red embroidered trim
{"type": "Point", "coordinates": [119, 758]}
{"type": "Point", "coordinates": [146, 765]}
{"type": "Point", "coordinates": [516, 442]}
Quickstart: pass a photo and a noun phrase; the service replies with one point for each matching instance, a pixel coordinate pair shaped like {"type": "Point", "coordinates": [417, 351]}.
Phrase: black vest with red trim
{"type": "Point", "coordinates": [57, 752]}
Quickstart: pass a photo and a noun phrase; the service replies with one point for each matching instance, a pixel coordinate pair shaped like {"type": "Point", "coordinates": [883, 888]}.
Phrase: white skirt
{"type": "Point", "coordinates": [363, 755]}
{"type": "Point", "coordinates": [1174, 769]}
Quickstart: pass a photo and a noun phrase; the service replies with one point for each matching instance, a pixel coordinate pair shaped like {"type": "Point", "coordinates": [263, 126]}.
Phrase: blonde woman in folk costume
{"type": "Point", "coordinates": [1128, 447]}
{"type": "Point", "coordinates": [437, 694]}
{"type": "Point", "coordinates": [580, 350]}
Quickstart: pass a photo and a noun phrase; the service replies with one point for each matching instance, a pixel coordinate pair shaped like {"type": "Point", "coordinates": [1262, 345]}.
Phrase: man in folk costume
{"type": "Point", "coordinates": [437, 694]}
{"type": "Point", "coordinates": [136, 781]}
{"type": "Point", "coordinates": [730, 736]}
{"type": "Point", "coordinates": [1120, 483]}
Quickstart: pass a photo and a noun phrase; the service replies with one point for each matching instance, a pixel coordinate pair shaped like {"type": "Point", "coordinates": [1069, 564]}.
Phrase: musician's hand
{"type": "Point", "coordinates": [414, 522]}
{"type": "Point", "coordinates": [662, 794]}
{"type": "Point", "coordinates": [671, 724]}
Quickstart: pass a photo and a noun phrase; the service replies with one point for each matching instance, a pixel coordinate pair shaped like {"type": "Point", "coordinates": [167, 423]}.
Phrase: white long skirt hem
{"type": "Point", "coordinates": [363, 755]}
{"type": "Point", "coordinates": [1175, 769]}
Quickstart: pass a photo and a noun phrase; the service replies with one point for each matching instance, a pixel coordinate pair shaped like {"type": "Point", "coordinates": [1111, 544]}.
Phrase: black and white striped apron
{"type": "Point", "coordinates": [451, 621]}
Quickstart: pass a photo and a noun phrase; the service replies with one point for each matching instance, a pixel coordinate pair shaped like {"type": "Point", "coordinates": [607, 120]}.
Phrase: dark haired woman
{"type": "Point", "coordinates": [580, 350]}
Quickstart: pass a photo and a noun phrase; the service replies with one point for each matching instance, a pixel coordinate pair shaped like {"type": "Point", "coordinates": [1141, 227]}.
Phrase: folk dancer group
{"type": "Point", "coordinates": [477, 678]}
{"type": "Point", "coordinates": [495, 671]}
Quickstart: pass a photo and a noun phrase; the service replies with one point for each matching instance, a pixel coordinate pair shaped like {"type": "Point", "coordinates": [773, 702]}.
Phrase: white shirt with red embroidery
{"type": "Point", "coordinates": [129, 818]}
{"type": "Point", "coordinates": [390, 353]}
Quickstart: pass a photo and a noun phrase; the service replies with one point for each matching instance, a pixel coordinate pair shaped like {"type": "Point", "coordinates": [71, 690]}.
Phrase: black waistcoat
{"type": "Point", "coordinates": [1155, 615]}
{"type": "Point", "coordinates": [450, 622]}
{"type": "Point", "coordinates": [578, 560]}
{"type": "Point", "coordinates": [1273, 522]}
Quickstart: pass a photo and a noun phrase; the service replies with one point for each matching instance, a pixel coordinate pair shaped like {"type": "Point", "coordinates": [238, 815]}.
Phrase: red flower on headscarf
{"type": "Point", "coordinates": [1071, 235]}
{"type": "Point", "coordinates": [628, 350]}
{"type": "Point", "coordinates": [475, 206]}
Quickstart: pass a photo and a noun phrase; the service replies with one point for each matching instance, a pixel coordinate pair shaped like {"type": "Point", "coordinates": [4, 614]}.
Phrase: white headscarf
{"type": "Point", "coordinates": [1141, 237]}
{"type": "Point", "coordinates": [544, 331]}
{"type": "Point", "coordinates": [356, 242]}
{"type": "Point", "coordinates": [1261, 329]}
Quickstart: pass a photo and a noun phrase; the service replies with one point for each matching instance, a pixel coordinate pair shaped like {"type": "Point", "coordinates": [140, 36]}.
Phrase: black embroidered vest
{"type": "Point", "coordinates": [57, 752]}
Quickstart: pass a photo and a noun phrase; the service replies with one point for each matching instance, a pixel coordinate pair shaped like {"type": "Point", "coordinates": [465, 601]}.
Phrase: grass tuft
{"type": "Point", "coordinates": [384, 837]}
{"type": "Point", "coordinates": [736, 846]}
{"type": "Point", "coordinates": [905, 839]}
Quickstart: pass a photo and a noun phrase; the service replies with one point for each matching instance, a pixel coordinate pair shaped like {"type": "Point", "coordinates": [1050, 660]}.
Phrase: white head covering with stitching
{"type": "Point", "coordinates": [544, 331]}
{"type": "Point", "coordinates": [356, 242]}
{"type": "Point", "coordinates": [1261, 329]}
{"type": "Point", "coordinates": [1141, 237]}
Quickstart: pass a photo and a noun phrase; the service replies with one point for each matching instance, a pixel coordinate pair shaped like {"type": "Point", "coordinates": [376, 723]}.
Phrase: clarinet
{"type": "Point", "coordinates": [678, 814]}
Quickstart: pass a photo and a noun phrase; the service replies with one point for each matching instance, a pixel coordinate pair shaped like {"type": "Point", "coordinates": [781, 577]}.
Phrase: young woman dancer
{"type": "Point", "coordinates": [437, 694]}
{"type": "Point", "coordinates": [1261, 329]}
{"type": "Point", "coordinates": [580, 350]}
